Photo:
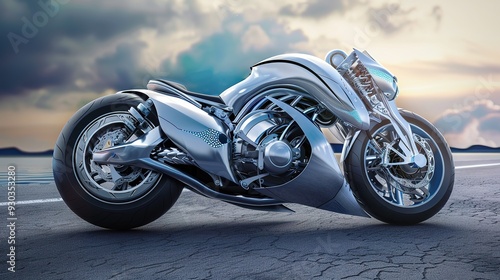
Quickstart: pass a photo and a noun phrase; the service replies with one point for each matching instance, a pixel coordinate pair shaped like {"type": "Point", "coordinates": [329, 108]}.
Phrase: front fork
{"type": "Point", "coordinates": [407, 147]}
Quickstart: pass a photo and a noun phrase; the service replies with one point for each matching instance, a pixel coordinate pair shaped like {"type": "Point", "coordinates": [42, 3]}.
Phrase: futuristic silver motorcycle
{"type": "Point", "coordinates": [122, 160]}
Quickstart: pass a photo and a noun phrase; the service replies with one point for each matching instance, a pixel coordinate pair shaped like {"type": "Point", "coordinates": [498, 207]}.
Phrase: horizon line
{"type": "Point", "coordinates": [2, 149]}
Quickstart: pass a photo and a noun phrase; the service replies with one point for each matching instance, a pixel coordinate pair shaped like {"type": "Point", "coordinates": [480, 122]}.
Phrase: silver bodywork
{"type": "Point", "coordinates": [314, 75]}
{"type": "Point", "coordinates": [322, 180]}
{"type": "Point", "coordinates": [386, 81]}
{"type": "Point", "coordinates": [205, 139]}
{"type": "Point", "coordinates": [195, 132]}
{"type": "Point", "coordinates": [379, 88]}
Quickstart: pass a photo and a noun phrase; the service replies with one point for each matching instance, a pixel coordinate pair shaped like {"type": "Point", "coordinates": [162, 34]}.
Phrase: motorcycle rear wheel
{"type": "Point", "coordinates": [397, 202]}
{"type": "Point", "coordinates": [139, 197]}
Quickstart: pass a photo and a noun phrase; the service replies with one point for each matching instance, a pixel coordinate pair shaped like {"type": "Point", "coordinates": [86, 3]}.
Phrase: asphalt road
{"type": "Point", "coordinates": [201, 238]}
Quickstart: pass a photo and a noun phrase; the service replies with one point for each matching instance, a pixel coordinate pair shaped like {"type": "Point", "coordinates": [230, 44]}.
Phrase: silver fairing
{"type": "Point", "coordinates": [200, 135]}
{"type": "Point", "coordinates": [384, 79]}
{"type": "Point", "coordinates": [321, 184]}
{"type": "Point", "coordinates": [313, 75]}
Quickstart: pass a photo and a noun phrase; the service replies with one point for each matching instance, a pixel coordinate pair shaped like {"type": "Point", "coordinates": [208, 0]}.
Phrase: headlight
{"type": "Point", "coordinates": [371, 81]}
{"type": "Point", "coordinates": [384, 80]}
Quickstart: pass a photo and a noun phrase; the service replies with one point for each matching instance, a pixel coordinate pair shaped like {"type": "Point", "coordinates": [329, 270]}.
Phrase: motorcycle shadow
{"type": "Point", "coordinates": [232, 241]}
{"type": "Point", "coordinates": [281, 234]}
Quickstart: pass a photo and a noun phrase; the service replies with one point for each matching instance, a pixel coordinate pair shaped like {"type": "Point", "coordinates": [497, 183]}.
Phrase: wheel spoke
{"type": "Point", "coordinates": [373, 163]}
{"type": "Point", "coordinates": [120, 187]}
{"type": "Point", "coordinates": [375, 146]}
{"type": "Point", "coordinates": [395, 194]}
{"type": "Point", "coordinates": [99, 180]}
{"type": "Point", "coordinates": [113, 184]}
{"type": "Point", "coordinates": [396, 182]}
{"type": "Point", "coordinates": [398, 195]}
{"type": "Point", "coordinates": [385, 138]}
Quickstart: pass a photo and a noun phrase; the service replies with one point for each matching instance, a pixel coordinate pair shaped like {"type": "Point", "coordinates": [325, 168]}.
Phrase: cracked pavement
{"type": "Point", "coordinates": [200, 238]}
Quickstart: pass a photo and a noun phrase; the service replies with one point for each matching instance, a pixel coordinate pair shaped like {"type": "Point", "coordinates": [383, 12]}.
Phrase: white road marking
{"type": "Point", "coordinates": [38, 201]}
{"type": "Point", "coordinates": [48, 200]}
{"type": "Point", "coordinates": [35, 201]}
{"type": "Point", "coordinates": [477, 165]}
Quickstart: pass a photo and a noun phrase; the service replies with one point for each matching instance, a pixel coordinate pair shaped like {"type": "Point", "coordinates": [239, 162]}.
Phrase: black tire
{"type": "Point", "coordinates": [157, 195]}
{"type": "Point", "coordinates": [367, 187]}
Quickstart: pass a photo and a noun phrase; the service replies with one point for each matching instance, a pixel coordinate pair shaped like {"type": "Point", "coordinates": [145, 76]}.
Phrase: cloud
{"type": "Point", "coordinates": [91, 48]}
{"type": "Point", "coordinates": [120, 69]}
{"type": "Point", "coordinates": [223, 58]}
{"type": "Point", "coordinates": [95, 46]}
{"type": "Point", "coordinates": [316, 8]}
{"type": "Point", "coordinates": [468, 68]}
{"type": "Point", "coordinates": [9, 9]}
{"type": "Point", "coordinates": [91, 43]}
{"type": "Point", "coordinates": [437, 14]}
{"type": "Point", "coordinates": [390, 17]}
{"type": "Point", "coordinates": [255, 39]}
{"type": "Point", "coordinates": [491, 123]}
{"type": "Point", "coordinates": [474, 124]}
{"type": "Point", "coordinates": [53, 54]}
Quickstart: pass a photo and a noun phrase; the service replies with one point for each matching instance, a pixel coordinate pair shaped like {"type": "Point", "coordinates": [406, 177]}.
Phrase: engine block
{"type": "Point", "coordinates": [269, 143]}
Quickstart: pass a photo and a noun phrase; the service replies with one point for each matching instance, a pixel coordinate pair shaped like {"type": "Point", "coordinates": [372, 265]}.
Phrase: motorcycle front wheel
{"type": "Point", "coordinates": [109, 196]}
{"type": "Point", "coordinates": [400, 194]}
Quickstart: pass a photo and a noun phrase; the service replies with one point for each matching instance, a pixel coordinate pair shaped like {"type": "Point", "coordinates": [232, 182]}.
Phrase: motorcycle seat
{"type": "Point", "coordinates": [163, 85]}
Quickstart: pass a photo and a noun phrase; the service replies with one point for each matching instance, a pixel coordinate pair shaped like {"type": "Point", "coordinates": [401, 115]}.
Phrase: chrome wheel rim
{"type": "Point", "coordinates": [112, 184]}
{"type": "Point", "coordinates": [404, 186]}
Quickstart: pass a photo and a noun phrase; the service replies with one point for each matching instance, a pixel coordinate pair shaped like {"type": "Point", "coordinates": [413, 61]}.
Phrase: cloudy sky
{"type": "Point", "coordinates": [57, 55]}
